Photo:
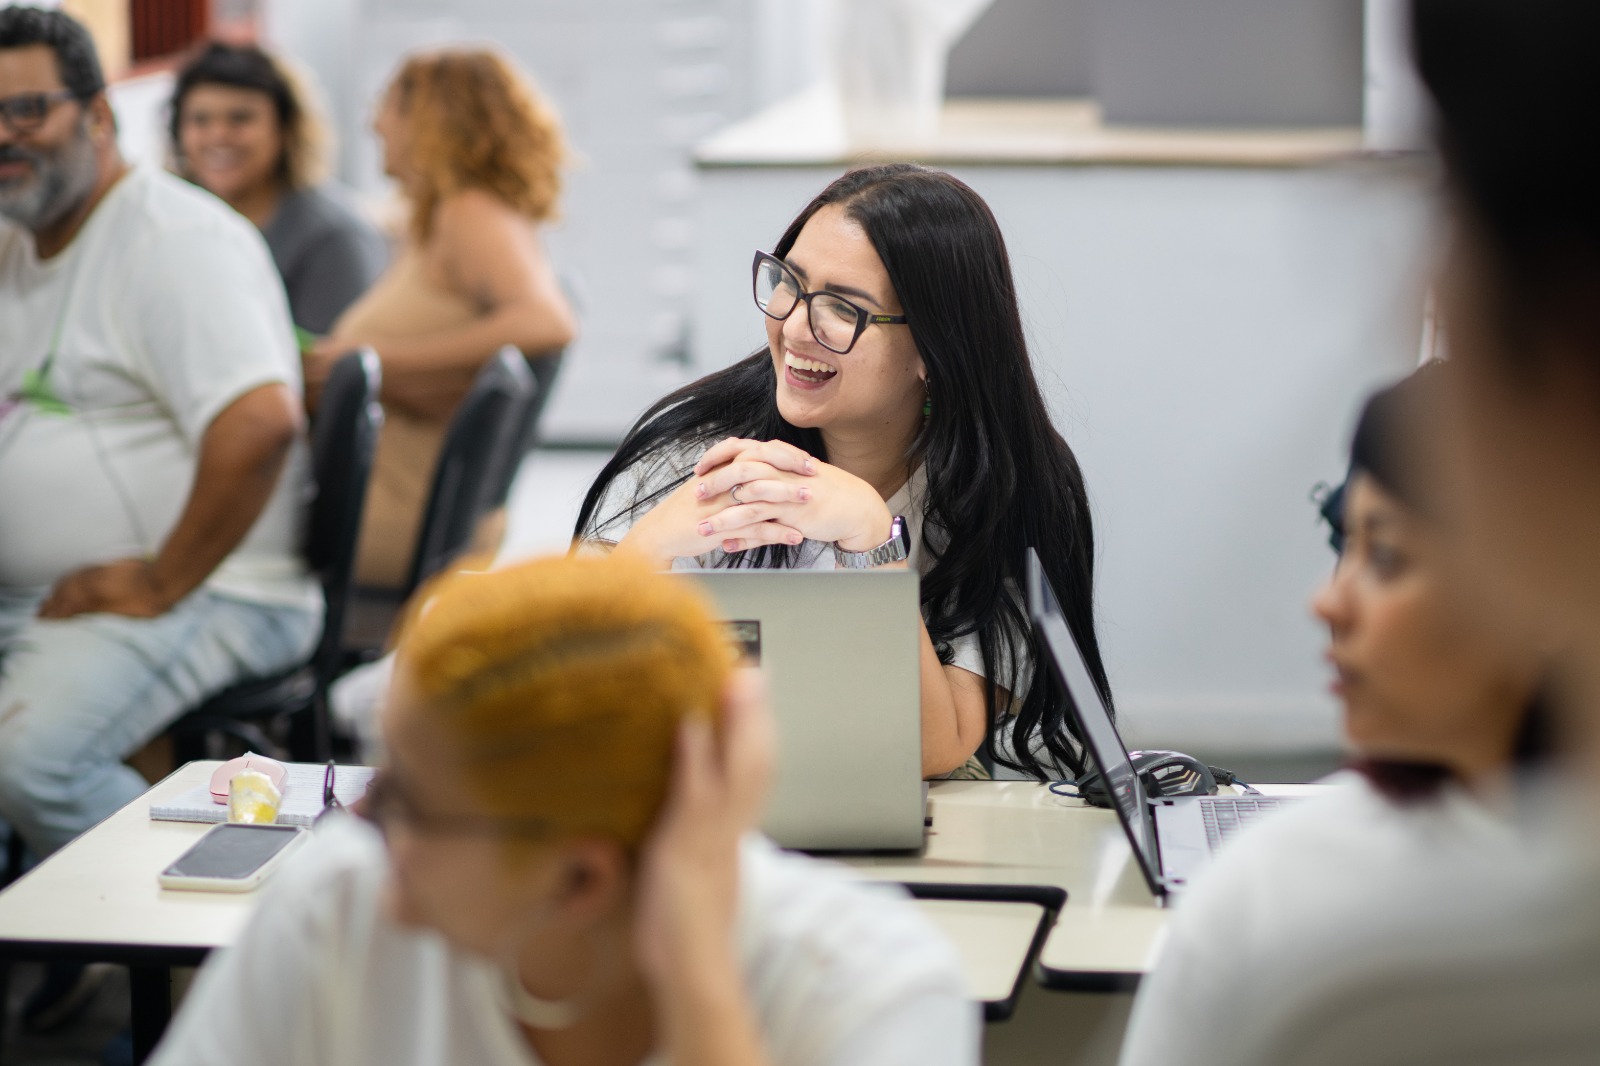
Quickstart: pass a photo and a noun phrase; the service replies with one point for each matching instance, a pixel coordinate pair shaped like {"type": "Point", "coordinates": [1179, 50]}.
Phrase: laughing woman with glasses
{"type": "Point", "coordinates": [892, 419]}
{"type": "Point", "coordinates": [558, 868]}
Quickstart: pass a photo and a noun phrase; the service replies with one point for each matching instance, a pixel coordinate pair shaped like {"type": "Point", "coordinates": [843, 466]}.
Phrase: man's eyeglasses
{"type": "Point", "coordinates": [835, 322]}
{"type": "Point", "coordinates": [26, 112]}
{"type": "Point", "coordinates": [386, 805]}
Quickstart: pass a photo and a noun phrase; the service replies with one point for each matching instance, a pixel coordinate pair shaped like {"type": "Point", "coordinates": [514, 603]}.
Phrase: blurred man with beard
{"type": "Point", "coordinates": [151, 455]}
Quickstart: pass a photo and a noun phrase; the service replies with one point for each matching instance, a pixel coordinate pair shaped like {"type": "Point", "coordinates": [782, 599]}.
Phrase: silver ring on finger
{"type": "Point", "coordinates": [734, 492]}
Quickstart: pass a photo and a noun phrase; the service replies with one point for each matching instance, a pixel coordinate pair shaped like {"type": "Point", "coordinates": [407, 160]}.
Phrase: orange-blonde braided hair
{"type": "Point", "coordinates": [560, 683]}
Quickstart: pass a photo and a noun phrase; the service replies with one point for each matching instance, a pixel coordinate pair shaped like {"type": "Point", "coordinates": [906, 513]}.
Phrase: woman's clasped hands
{"type": "Point", "coordinates": [745, 494]}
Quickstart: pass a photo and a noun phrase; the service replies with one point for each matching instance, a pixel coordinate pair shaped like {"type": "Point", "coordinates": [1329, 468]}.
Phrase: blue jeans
{"type": "Point", "coordinates": [79, 695]}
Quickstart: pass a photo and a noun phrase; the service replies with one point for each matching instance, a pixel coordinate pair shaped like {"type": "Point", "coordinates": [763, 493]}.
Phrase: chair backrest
{"type": "Point", "coordinates": [473, 461]}
{"type": "Point", "coordinates": [344, 437]}
{"type": "Point", "coordinates": [545, 367]}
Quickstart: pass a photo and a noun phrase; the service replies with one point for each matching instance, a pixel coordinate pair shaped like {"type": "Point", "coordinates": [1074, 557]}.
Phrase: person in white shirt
{"type": "Point", "coordinates": [1491, 954]}
{"type": "Point", "coordinates": [1440, 705]}
{"type": "Point", "coordinates": [152, 466]}
{"type": "Point", "coordinates": [891, 419]}
{"type": "Point", "coordinates": [559, 867]}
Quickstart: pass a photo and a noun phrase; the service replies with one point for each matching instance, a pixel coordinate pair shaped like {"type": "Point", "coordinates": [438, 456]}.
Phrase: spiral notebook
{"type": "Point", "coordinates": [302, 796]}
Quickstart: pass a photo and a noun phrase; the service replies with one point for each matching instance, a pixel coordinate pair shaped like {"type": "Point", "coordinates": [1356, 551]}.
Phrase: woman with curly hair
{"type": "Point", "coordinates": [244, 128]}
{"type": "Point", "coordinates": [477, 154]}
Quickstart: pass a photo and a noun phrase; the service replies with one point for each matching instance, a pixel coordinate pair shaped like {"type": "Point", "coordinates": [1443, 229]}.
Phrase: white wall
{"type": "Point", "coordinates": [1204, 337]}
{"type": "Point", "coordinates": [321, 36]}
{"type": "Point", "coordinates": [140, 105]}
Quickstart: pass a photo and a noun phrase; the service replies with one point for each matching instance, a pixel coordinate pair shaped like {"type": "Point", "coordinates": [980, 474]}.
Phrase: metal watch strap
{"type": "Point", "coordinates": [896, 549]}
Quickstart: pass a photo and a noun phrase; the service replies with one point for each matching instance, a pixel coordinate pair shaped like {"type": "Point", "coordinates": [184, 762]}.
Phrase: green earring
{"type": "Point", "coordinates": [927, 400]}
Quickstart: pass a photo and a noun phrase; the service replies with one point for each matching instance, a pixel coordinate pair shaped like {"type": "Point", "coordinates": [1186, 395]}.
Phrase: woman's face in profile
{"type": "Point", "coordinates": [394, 131]}
{"type": "Point", "coordinates": [230, 139]}
{"type": "Point", "coordinates": [877, 384]}
{"type": "Point", "coordinates": [1422, 675]}
{"type": "Point", "coordinates": [448, 866]}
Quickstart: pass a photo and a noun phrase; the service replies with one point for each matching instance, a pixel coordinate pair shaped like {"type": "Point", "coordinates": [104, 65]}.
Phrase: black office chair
{"type": "Point", "coordinates": [545, 367]}
{"type": "Point", "coordinates": [344, 436]}
{"type": "Point", "coordinates": [12, 868]}
{"type": "Point", "coordinates": [9, 873]}
{"type": "Point", "coordinates": [477, 460]}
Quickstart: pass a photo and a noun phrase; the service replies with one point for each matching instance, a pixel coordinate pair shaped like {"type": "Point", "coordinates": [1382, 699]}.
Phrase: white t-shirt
{"type": "Point", "coordinates": [1347, 929]}
{"type": "Point", "coordinates": [910, 503]}
{"type": "Point", "coordinates": [168, 309]}
{"type": "Point", "coordinates": [839, 973]}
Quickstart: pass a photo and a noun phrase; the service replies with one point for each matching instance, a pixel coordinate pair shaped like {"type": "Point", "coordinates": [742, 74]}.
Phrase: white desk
{"type": "Point", "coordinates": [98, 899]}
{"type": "Point", "coordinates": [1018, 832]}
{"type": "Point", "coordinates": [997, 942]}
{"type": "Point", "coordinates": [101, 889]}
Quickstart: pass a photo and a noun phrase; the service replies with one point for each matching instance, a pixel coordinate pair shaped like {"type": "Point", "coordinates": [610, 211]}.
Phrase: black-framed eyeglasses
{"type": "Point", "coordinates": [26, 112]}
{"type": "Point", "coordinates": [835, 322]}
{"type": "Point", "coordinates": [386, 805]}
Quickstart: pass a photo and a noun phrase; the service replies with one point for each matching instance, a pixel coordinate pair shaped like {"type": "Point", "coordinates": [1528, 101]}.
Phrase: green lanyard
{"type": "Point", "coordinates": [37, 391]}
{"type": "Point", "coordinates": [36, 388]}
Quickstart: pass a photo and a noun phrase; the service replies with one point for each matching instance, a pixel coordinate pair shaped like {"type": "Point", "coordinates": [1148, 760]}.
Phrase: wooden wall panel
{"type": "Point", "coordinates": [165, 27]}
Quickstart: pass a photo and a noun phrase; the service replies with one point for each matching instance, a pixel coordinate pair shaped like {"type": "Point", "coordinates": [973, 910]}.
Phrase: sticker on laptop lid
{"type": "Point", "coordinates": [745, 636]}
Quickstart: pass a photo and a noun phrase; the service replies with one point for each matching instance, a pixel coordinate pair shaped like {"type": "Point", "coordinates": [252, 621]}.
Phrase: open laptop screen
{"type": "Point", "coordinates": [1100, 738]}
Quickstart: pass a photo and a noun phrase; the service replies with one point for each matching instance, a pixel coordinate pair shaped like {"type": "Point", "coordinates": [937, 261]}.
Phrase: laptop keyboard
{"type": "Point", "coordinates": [1224, 815]}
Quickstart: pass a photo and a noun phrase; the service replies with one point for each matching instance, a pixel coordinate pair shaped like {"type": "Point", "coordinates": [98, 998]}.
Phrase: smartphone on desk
{"type": "Point", "coordinates": [231, 857]}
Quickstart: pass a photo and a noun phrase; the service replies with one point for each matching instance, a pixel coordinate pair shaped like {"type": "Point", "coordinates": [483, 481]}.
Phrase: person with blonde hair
{"type": "Point", "coordinates": [477, 154]}
{"type": "Point", "coordinates": [244, 126]}
{"type": "Point", "coordinates": [558, 867]}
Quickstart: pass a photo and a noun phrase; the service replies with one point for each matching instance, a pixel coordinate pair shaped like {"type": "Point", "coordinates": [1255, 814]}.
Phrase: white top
{"type": "Point", "coordinates": [168, 309]}
{"type": "Point", "coordinates": [1350, 929]}
{"type": "Point", "coordinates": [910, 503]}
{"type": "Point", "coordinates": [838, 972]}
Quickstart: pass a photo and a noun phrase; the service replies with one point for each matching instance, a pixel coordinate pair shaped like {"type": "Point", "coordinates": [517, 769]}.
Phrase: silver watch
{"type": "Point", "coordinates": [897, 549]}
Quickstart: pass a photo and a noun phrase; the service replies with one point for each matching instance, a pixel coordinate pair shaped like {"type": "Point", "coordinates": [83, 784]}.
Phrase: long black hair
{"type": "Point", "coordinates": [999, 477]}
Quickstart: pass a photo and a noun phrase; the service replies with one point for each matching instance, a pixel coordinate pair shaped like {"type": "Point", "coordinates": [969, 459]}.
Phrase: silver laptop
{"type": "Point", "coordinates": [842, 654]}
{"type": "Point", "coordinates": [1174, 838]}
